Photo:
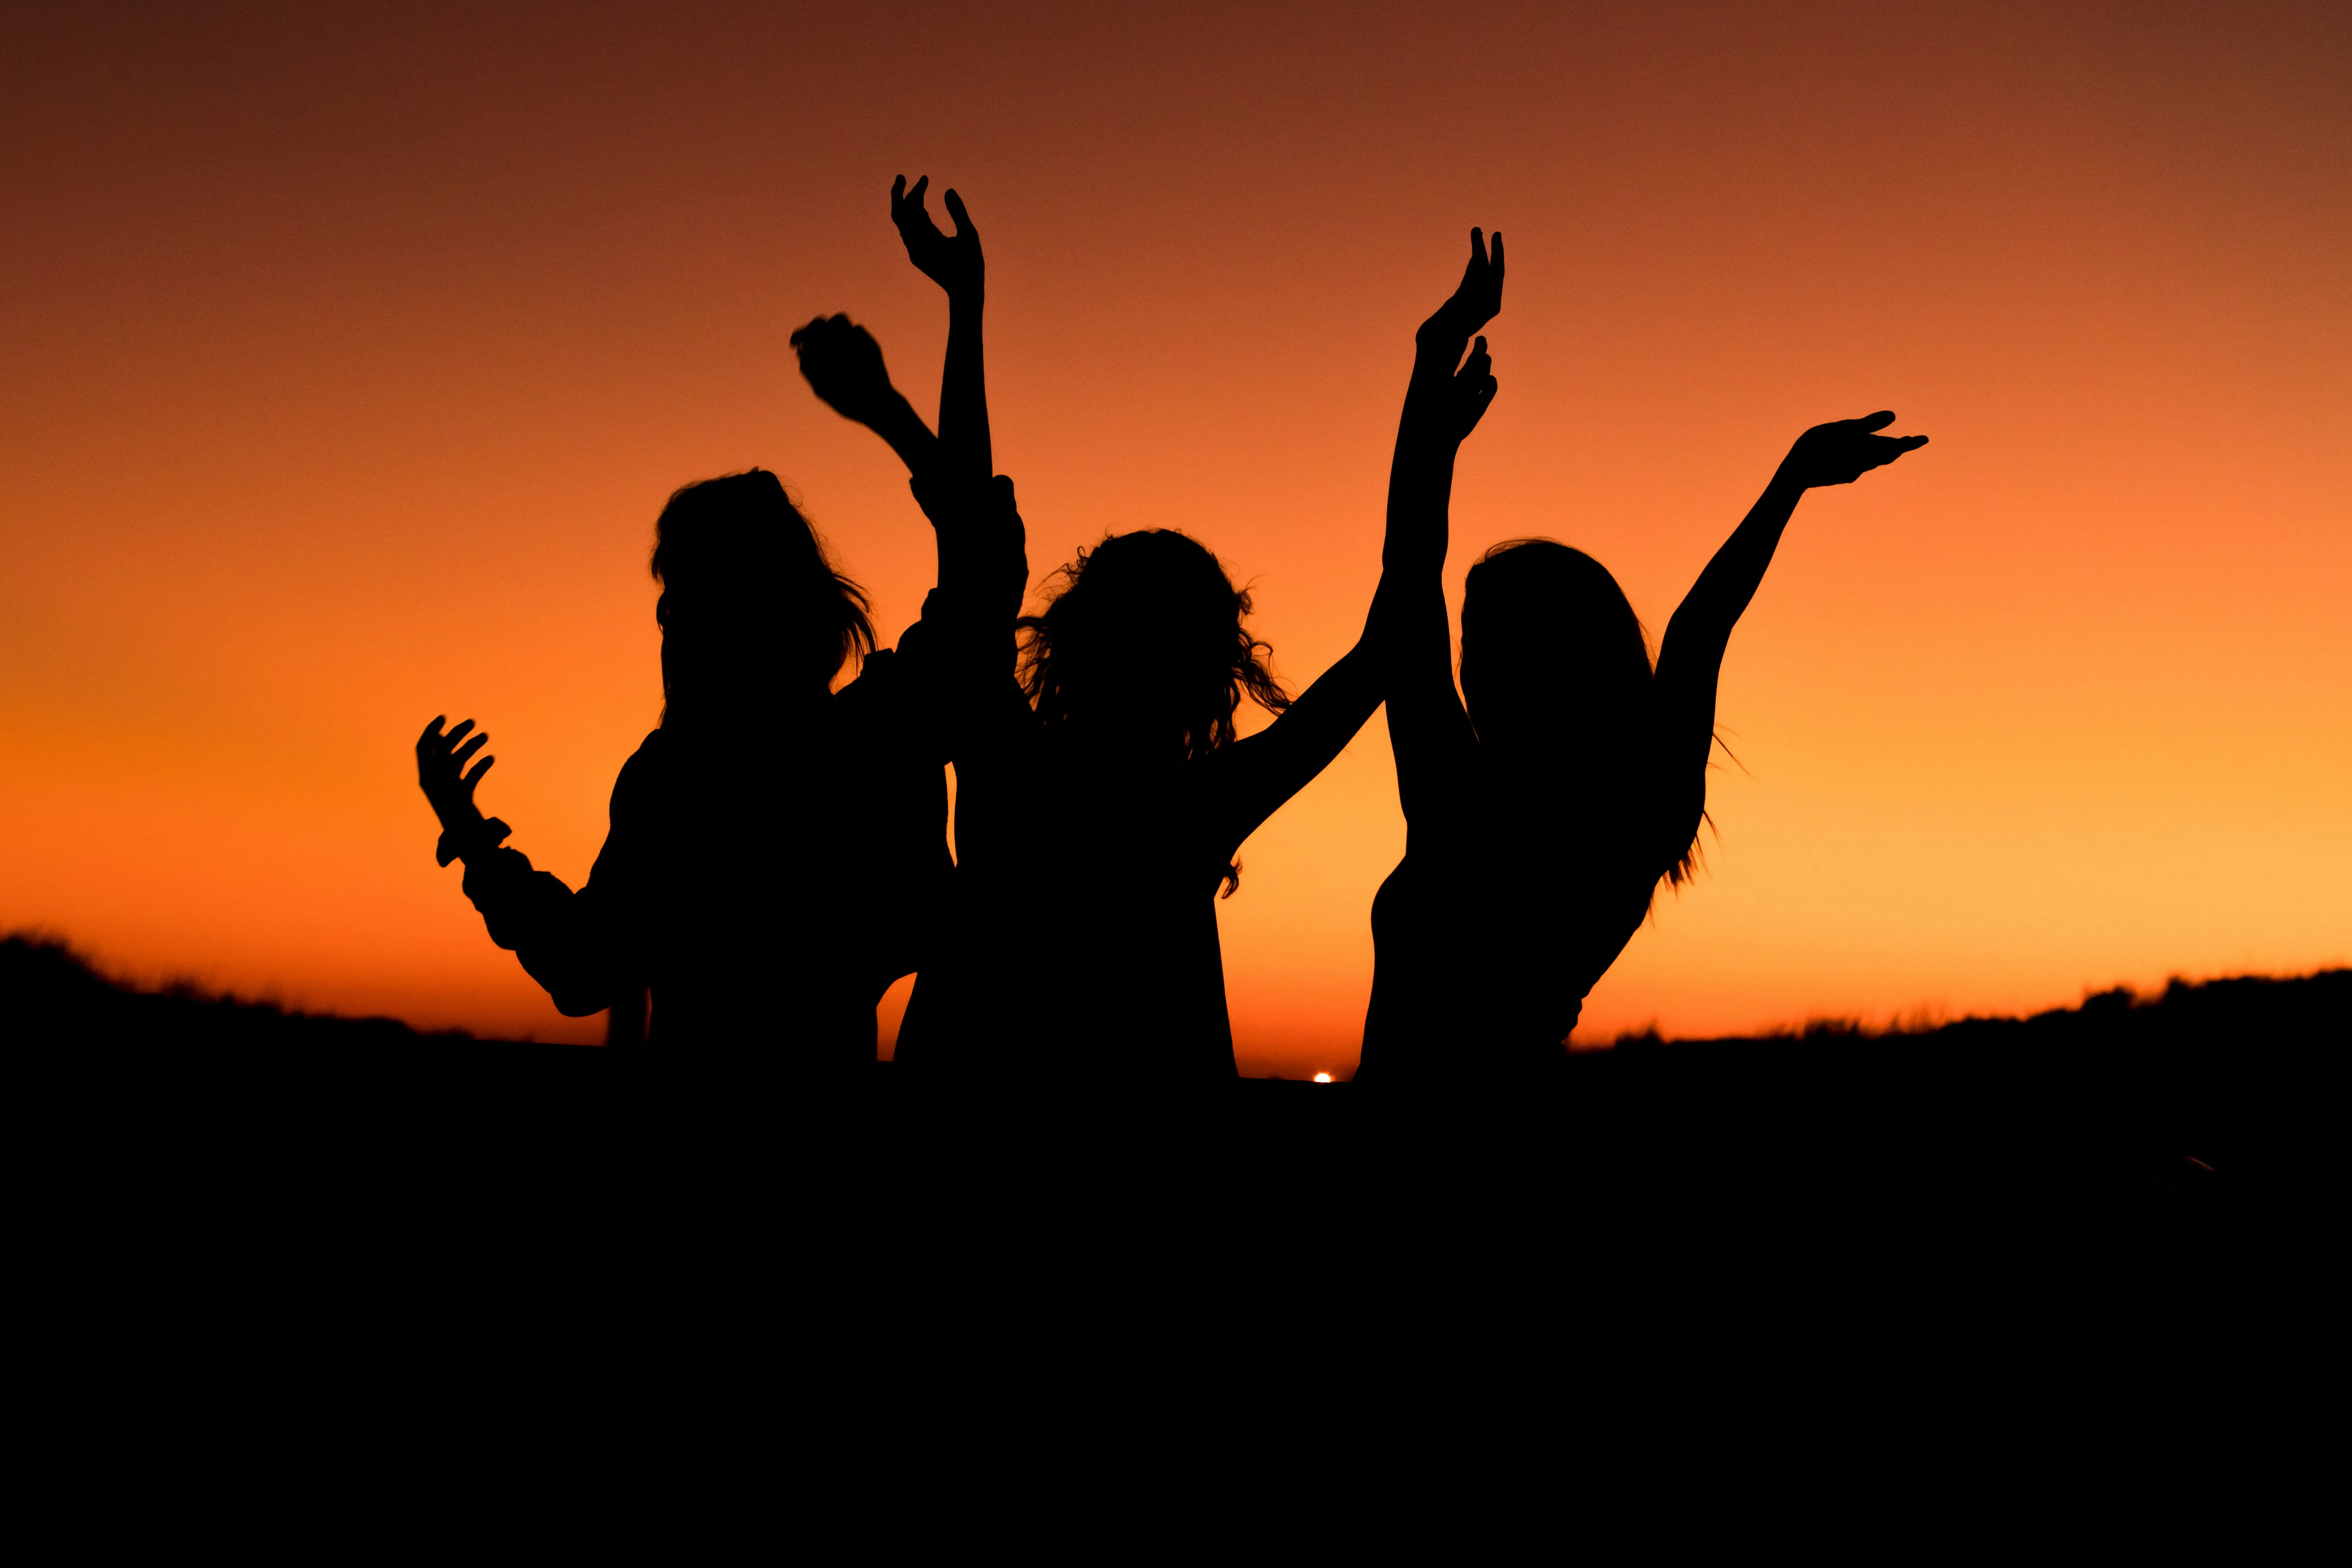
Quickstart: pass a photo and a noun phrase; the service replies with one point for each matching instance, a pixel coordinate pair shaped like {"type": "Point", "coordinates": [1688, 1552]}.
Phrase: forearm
{"type": "Point", "coordinates": [898, 424]}
{"type": "Point", "coordinates": [1420, 496]}
{"type": "Point", "coordinates": [1421, 472]}
{"type": "Point", "coordinates": [1690, 658]}
{"type": "Point", "coordinates": [553, 931]}
{"type": "Point", "coordinates": [963, 391]}
{"type": "Point", "coordinates": [1722, 594]}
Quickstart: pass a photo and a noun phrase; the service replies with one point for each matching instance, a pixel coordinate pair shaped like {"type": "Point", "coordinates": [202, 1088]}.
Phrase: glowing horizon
{"type": "Point", "coordinates": [351, 358]}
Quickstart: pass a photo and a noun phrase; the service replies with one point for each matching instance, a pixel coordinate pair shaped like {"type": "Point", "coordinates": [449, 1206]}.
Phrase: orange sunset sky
{"type": "Point", "coordinates": [347, 353]}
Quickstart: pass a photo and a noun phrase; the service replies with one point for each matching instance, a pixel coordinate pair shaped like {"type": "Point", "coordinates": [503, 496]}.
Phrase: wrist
{"type": "Point", "coordinates": [1442, 330]}
{"type": "Point", "coordinates": [891, 418]}
{"type": "Point", "coordinates": [469, 841]}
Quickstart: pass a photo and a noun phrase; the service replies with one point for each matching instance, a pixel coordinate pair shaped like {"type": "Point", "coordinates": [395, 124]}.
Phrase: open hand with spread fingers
{"type": "Point", "coordinates": [1843, 450]}
{"type": "Point", "coordinates": [952, 261]}
{"type": "Point", "coordinates": [449, 784]}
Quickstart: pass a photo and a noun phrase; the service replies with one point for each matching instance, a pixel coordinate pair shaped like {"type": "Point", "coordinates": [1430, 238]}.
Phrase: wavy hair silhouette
{"type": "Point", "coordinates": [1145, 648]}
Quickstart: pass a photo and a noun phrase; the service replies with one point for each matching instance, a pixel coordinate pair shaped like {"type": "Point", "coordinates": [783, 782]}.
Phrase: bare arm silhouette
{"type": "Point", "coordinates": [954, 262]}
{"type": "Point", "coordinates": [1428, 728]}
{"type": "Point", "coordinates": [1442, 406]}
{"type": "Point", "coordinates": [1690, 661]}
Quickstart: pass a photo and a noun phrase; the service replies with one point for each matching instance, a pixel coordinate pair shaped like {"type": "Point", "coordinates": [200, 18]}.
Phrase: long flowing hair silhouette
{"type": "Point", "coordinates": [749, 599]}
{"type": "Point", "coordinates": [1557, 673]}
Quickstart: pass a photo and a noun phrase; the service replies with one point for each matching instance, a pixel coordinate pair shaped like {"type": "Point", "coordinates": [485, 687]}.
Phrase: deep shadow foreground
{"type": "Point", "coordinates": [2213, 1109]}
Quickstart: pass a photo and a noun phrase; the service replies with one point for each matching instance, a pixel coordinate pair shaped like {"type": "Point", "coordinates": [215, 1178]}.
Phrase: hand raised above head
{"type": "Point", "coordinates": [1480, 296]}
{"type": "Point", "coordinates": [952, 261]}
{"type": "Point", "coordinates": [1843, 450]}
{"type": "Point", "coordinates": [844, 366]}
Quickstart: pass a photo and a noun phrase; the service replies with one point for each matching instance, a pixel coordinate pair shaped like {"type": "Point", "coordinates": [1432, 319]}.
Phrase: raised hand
{"type": "Point", "coordinates": [441, 771]}
{"type": "Point", "coordinates": [1480, 297]}
{"type": "Point", "coordinates": [844, 366]}
{"type": "Point", "coordinates": [952, 261]}
{"type": "Point", "coordinates": [1843, 450]}
{"type": "Point", "coordinates": [1468, 395]}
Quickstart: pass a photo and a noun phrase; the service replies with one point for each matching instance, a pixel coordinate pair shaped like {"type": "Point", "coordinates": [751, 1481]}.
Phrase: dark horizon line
{"type": "Point", "coordinates": [30, 950]}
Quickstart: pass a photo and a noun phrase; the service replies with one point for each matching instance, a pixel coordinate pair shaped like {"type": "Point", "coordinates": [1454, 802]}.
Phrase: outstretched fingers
{"type": "Point", "coordinates": [1473, 271]}
{"type": "Point", "coordinates": [1480, 297]}
{"type": "Point", "coordinates": [434, 742]}
{"type": "Point", "coordinates": [964, 228]}
{"type": "Point", "coordinates": [908, 211]}
{"type": "Point", "coordinates": [1885, 450]}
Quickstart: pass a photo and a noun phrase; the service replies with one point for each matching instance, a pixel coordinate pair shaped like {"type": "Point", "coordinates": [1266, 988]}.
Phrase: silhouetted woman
{"type": "Point", "coordinates": [1541, 816]}
{"type": "Point", "coordinates": [776, 847]}
{"type": "Point", "coordinates": [1103, 788]}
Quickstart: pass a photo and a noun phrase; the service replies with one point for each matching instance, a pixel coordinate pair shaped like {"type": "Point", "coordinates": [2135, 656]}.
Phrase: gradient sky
{"type": "Point", "coordinates": [346, 356]}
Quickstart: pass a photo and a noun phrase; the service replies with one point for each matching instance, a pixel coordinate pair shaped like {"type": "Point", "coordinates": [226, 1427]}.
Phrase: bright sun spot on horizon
{"type": "Point", "coordinates": [1322, 1077]}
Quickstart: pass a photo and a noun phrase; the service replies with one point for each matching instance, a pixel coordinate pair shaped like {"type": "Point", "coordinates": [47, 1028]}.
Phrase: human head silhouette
{"type": "Point", "coordinates": [1555, 665]}
{"type": "Point", "coordinates": [751, 607]}
{"type": "Point", "coordinates": [1144, 651]}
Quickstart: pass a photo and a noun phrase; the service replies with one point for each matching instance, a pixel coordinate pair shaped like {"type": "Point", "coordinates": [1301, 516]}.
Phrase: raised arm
{"type": "Point", "coordinates": [1442, 406]}
{"type": "Point", "coordinates": [843, 365]}
{"type": "Point", "coordinates": [1690, 661]}
{"type": "Point", "coordinates": [1428, 730]}
{"type": "Point", "coordinates": [953, 262]}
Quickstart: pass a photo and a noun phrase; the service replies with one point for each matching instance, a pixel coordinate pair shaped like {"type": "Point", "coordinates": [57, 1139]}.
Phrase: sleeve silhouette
{"type": "Point", "coordinates": [1690, 659]}
{"type": "Point", "coordinates": [1429, 729]}
{"type": "Point", "coordinates": [585, 947]}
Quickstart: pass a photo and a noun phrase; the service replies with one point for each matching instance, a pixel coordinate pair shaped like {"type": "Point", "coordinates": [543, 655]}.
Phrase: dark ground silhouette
{"type": "Point", "coordinates": [2213, 1105]}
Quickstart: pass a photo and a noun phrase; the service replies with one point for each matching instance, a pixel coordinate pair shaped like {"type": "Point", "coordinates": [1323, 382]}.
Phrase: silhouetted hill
{"type": "Point", "coordinates": [2209, 1100]}
{"type": "Point", "coordinates": [58, 1010]}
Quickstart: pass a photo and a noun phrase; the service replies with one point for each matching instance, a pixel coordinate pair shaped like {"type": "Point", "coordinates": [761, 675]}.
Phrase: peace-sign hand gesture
{"type": "Point", "coordinates": [952, 261]}
{"type": "Point", "coordinates": [1843, 450]}
{"type": "Point", "coordinates": [1480, 297]}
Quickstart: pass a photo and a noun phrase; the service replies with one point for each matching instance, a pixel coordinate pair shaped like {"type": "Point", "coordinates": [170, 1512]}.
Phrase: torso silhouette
{"type": "Point", "coordinates": [766, 881]}
{"type": "Point", "coordinates": [1512, 900]}
{"type": "Point", "coordinates": [1080, 936]}
{"type": "Point", "coordinates": [1086, 938]}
